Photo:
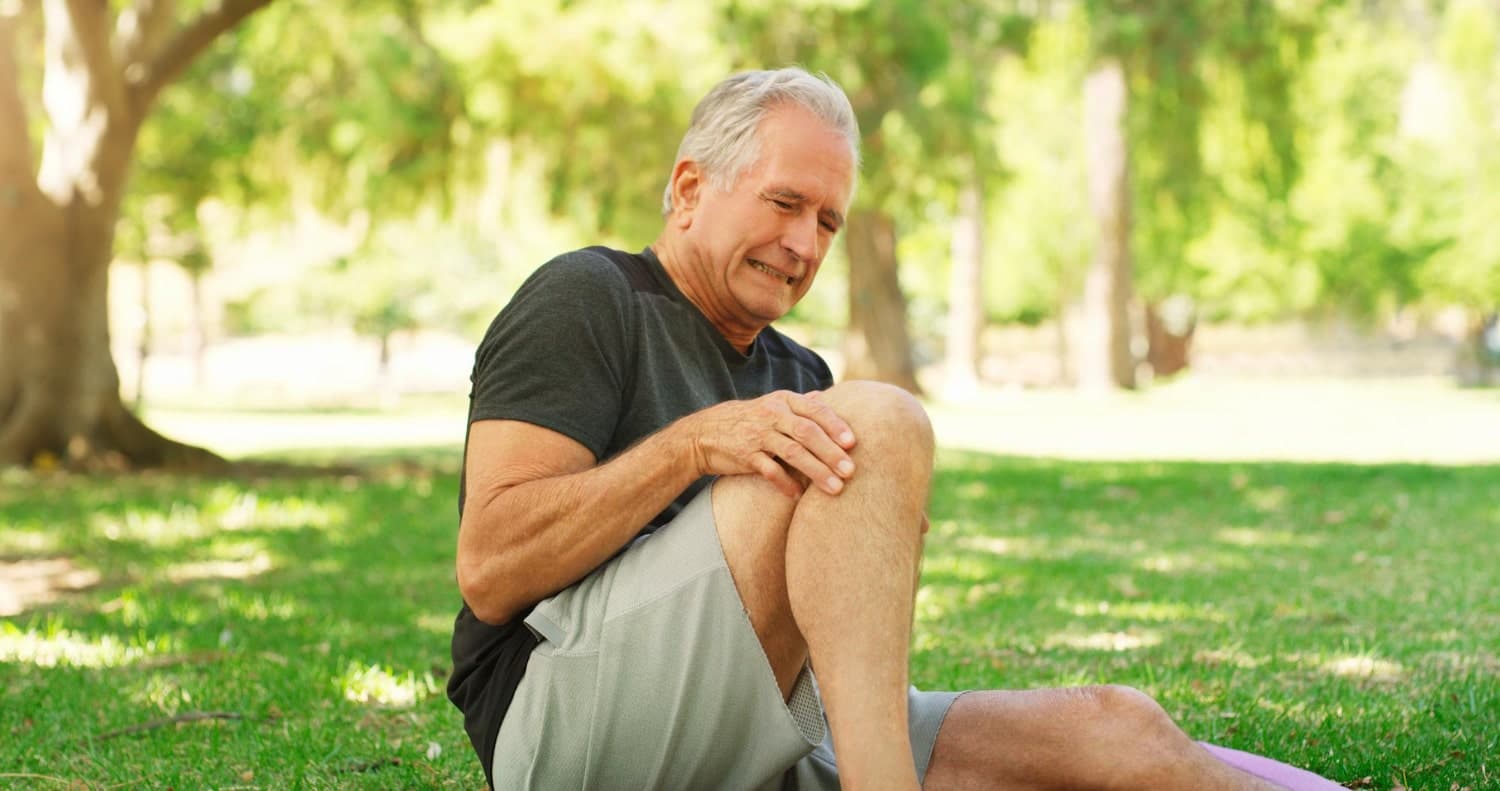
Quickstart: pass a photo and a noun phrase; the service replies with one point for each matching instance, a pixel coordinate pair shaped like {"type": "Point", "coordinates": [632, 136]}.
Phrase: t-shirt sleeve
{"type": "Point", "coordinates": [557, 355]}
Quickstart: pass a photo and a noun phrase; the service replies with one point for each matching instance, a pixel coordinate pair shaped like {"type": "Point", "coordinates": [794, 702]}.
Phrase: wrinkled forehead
{"type": "Point", "coordinates": [804, 153]}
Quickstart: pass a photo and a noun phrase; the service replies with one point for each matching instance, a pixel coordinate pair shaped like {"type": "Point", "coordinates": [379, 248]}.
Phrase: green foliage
{"type": "Point", "coordinates": [1041, 231]}
{"type": "Point", "coordinates": [600, 91]}
{"type": "Point", "coordinates": [408, 277]}
{"type": "Point", "coordinates": [1273, 174]}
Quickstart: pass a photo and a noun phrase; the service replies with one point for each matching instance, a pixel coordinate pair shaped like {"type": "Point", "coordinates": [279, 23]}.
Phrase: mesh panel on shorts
{"type": "Point", "coordinates": [806, 709]}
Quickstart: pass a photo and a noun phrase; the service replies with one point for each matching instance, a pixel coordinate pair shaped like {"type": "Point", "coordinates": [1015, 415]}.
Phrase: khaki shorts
{"type": "Point", "coordinates": [649, 676]}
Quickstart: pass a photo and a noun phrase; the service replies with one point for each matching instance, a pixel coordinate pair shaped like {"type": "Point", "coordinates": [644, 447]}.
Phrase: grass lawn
{"type": "Point", "coordinates": [1341, 617]}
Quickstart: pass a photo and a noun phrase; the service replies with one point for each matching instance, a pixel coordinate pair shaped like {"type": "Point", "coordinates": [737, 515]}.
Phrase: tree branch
{"type": "Point", "coordinates": [90, 22]}
{"type": "Point", "coordinates": [139, 30]}
{"type": "Point", "coordinates": [181, 49]}
{"type": "Point", "coordinates": [191, 716]}
{"type": "Point", "coordinates": [15, 131]}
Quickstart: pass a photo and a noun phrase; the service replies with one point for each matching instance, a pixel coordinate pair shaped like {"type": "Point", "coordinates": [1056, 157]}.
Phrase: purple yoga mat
{"type": "Point", "coordinates": [1288, 777]}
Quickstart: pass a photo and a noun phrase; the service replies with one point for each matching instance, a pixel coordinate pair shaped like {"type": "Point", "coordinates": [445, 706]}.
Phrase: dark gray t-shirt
{"type": "Point", "coordinates": [601, 346]}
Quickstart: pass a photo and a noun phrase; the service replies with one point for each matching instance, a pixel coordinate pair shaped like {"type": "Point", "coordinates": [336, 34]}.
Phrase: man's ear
{"type": "Point", "coordinates": [687, 190]}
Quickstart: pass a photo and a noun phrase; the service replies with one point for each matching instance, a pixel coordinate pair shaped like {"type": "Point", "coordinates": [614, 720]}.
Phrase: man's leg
{"type": "Point", "coordinates": [830, 576]}
{"type": "Point", "coordinates": [835, 573]}
{"type": "Point", "coordinates": [1082, 738]}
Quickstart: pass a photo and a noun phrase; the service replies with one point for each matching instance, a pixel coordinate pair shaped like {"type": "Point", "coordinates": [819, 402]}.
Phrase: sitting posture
{"type": "Point", "coordinates": [688, 559]}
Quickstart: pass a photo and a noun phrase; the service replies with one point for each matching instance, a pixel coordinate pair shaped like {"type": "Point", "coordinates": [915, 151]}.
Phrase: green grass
{"type": "Point", "coordinates": [1341, 617]}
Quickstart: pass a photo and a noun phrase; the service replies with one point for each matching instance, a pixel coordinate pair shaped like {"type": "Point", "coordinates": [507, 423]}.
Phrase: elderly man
{"type": "Point", "coordinates": [688, 559]}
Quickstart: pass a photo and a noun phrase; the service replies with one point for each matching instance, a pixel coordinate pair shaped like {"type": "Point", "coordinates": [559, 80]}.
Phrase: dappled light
{"type": "Point", "coordinates": [160, 693]}
{"type": "Point", "coordinates": [1102, 641]}
{"type": "Point", "coordinates": [1002, 545]}
{"type": "Point", "coordinates": [377, 685]}
{"type": "Point", "coordinates": [65, 648]}
{"type": "Point", "coordinates": [179, 523]}
{"type": "Point", "coordinates": [1259, 537]}
{"type": "Point", "coordinates": [1145, 611]}
{"type": "Point", "coordinates": [1203, 560]}
{"type": "Point", "coordinates": [1366, 667]}
{"type": "Point", "coordinates": [1358, 667]}
{"type": "Point", "coordinates": [1233, 657]}
{"type": "Point", "coordinates": [257, 564]}
{"type": "Point", "coordinates": [28, 583]}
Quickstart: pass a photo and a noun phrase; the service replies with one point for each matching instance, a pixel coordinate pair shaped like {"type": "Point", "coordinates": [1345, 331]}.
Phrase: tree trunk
{"type": "Point", "coordinates": [877, 345]}
{"type": "Point", "coordinates": [1105, 360]}
{"type": "Point", "coordinates": [59, 388]}
{"type": "Point", "coordinates": [965, 296]}
{"type": "Point", "coordinates": [60, 391]}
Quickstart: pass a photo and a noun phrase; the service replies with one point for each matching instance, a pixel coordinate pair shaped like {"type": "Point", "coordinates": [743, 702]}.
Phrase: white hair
{"type": "Point", "coordinates": [722, 136]}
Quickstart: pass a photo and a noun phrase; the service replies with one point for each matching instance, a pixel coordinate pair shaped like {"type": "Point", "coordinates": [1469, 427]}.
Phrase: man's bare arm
{"type": "Point", "coordinates": [540, 515]}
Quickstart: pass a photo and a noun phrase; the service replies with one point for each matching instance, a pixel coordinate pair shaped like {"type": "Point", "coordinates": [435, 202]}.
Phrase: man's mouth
{"type": "Point", "coordinates": [772, 272]}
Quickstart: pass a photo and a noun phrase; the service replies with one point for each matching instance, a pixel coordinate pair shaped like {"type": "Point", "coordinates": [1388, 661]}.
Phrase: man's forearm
{"type": "Point", "coordinates": [536, 538]}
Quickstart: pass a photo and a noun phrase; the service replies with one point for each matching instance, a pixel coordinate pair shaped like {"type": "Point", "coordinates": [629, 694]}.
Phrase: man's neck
{"type": "Point", "coordinates": [689, 274]}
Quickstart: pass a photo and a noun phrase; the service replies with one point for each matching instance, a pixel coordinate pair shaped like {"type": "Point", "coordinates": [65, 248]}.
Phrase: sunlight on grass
{"type": "Point", "coordinates": [261, 607]}
{"type": "Point", "coordinates": [1103, 641]}
{"type": "Point", "coordinates": [1003, 545]}
{"type": "Point", "coordinates": [1159, 612]}
{"type": "Point", "coordinates": [375, 684]}
{"type": "Point", "coordinates": [236, 509]}
{"type": "Point", "coordinates": [1364, 666]}
{"type": "Point", "coordinates": [152, 527]}
{"type": "Point", "coordinates": [1191, 562]}
{"type": "Point", "coordinates": [59, 647]}
{"type": "Point", "coordinates": [21, 540]}
{"type": "Point", "coordinates": [162, 693]}
{"type": "Point", "coordinates": [1252, 537]}
{"type": "Point", "coordinates": [1232, 657]}
{"type": "Point", "coordinates": [959, 567]}
{"type": "Point", "coordinates": [227, 508]}
{"type": "Point", "coordinates": [253, 566]}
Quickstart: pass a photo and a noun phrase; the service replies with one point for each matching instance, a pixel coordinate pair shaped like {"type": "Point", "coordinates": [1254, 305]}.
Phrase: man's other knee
{"type": "Point", "coordinates": [1136, 732]}
{"type": "Point", "coordinates": [883, 416]}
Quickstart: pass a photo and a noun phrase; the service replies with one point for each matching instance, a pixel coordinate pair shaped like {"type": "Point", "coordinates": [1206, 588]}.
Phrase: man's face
{"type": "Point", "coordinates": [764, 238]}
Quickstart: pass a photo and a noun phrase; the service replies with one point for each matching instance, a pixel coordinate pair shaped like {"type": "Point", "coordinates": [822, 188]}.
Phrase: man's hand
{"type": "Point", "coordinates": [776, 436]}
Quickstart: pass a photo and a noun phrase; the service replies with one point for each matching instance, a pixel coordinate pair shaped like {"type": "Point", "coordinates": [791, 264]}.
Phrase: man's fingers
{"type": "Point", "coordinates": [813, 408]}
{"type": "Point", "coordinates": [769, 469]}
{"type": "Point", "coordinates": [795, 454]}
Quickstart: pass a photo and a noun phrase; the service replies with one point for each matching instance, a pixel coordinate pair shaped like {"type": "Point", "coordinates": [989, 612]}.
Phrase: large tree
{"type": "Point", "coordinates": [102, 71]}
{"type": "Point", "coordinates": [1146, 98]}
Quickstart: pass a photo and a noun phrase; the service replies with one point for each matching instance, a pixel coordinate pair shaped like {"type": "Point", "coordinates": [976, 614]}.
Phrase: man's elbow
{"type": "Point", "coordinates": [484, 597]}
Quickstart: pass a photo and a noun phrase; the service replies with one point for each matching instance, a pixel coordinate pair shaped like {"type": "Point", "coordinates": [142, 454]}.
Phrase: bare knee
{"type": "Point", "coordinates": [1134, 734]}
{"type": "Point", "coordinates": [884, 416]}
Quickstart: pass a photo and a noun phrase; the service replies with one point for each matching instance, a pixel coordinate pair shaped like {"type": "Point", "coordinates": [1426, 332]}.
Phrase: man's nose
{"type": "Point", "coordinates": [801, 237]}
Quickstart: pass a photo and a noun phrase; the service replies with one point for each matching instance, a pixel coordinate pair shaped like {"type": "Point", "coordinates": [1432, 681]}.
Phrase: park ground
{"type": "Point", "coordinates": [1304, 568]}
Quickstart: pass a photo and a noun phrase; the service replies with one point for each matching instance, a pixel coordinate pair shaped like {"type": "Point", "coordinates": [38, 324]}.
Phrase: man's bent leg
{"type": "Point", "coordinates": [843, 588]}
{"type": "Point", "coordinates": [649, 675]}
{"type": "Point", "coordinates": [1080, 738]}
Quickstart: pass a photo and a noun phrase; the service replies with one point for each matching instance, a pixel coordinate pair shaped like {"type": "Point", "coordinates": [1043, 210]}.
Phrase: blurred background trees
{"type": "Point", "coordinates": [1122, 173]}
